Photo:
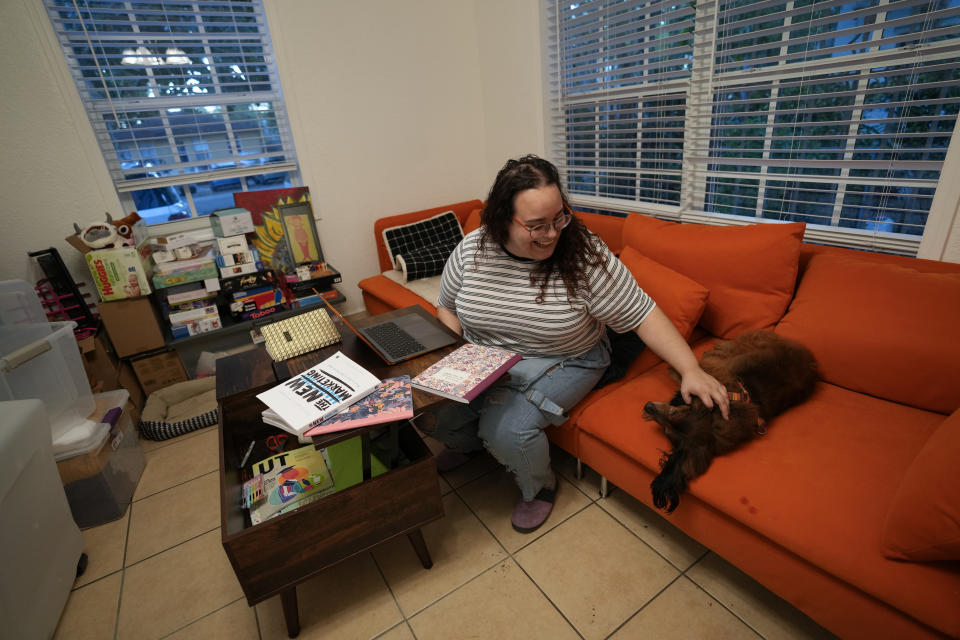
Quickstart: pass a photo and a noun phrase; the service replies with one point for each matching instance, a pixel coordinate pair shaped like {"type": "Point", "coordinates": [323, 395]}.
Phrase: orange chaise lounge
{"type": "Point", "coordinates": [849, 507]}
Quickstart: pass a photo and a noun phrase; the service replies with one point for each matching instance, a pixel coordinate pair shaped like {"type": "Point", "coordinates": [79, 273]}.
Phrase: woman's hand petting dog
{"type": "Point", "coordinates": [701, 384]}
{"type": "Point", "coordinates": [762, 375]}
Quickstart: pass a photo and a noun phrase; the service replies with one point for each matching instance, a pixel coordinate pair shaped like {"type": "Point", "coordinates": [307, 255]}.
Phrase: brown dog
{"type": "Point", "coordinates": [764, 373]}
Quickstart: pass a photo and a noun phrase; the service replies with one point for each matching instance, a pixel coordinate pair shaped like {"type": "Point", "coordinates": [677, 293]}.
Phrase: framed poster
{"type": "Point", "coordinates": [300, 233]}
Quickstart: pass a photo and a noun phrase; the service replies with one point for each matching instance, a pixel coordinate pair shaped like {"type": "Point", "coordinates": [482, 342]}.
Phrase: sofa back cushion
{"type": "Point", "coordinates": [750, 271]}
{"type": "Point", "coordinates": [682, 299]}
{"type": "Point", "coordinates": [609, 228]}
{"type": "Point", "coordinates": [923, 522]}
{"type": "Point", "coordinates": [472, 223]}
{"type": "Point", "coordinates": [881, 328]}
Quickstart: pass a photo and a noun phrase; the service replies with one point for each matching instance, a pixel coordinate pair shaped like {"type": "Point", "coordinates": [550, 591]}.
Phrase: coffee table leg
{"type": "Point", "coordinates": [291, 614]}
{"type": "Point", "coordinates": [420, 546]}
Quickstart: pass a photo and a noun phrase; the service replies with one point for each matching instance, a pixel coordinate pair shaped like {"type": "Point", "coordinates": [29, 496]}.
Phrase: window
{"type": "Point", "coordinates": [838, 113]}
{"type": "Point", "coordinates": [183, 97]}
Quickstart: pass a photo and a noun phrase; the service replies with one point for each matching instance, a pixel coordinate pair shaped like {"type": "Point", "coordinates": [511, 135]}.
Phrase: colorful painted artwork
{"type": "Point", "coordinates": [264, 208]}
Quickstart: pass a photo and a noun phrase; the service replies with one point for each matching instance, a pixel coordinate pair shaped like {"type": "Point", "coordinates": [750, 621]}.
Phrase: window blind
{"type": "Point", "coordinates": [838, 113]}
{"type": "Point", "coordinates": [177, 92]}
{"type": "Point", "coordinates": [624, 68]}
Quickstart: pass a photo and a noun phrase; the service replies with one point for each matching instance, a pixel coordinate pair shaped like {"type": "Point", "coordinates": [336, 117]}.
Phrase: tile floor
{"type": "Point", "coordinates": [160, 571]}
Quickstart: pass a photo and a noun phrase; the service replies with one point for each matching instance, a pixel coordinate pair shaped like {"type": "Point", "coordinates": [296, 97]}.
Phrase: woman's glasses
{"type": "Point", "coordinates": [540, 230]}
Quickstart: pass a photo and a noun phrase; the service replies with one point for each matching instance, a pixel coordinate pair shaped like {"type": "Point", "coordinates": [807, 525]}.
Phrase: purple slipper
{"type": "Point", "coordinates": [528, 515]}
{"type": "Point", "coordinates": [448, 459]}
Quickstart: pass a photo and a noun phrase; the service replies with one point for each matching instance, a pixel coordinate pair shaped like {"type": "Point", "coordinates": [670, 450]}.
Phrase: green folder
{"type": "Point", "coordinates": [346, 466]}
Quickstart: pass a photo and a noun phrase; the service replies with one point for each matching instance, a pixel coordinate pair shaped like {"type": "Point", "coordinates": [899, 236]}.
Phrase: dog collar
{"type": "Point", "coordinates": [744, 396]}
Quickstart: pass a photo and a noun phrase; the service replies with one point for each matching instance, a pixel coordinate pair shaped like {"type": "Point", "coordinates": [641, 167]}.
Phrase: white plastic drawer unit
{"type": "Point", "coordinates": [42, 360]}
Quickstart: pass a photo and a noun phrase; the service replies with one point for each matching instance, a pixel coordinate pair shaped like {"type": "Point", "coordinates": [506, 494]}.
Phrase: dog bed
{"type": "Point", "coordinates": [180, 408]}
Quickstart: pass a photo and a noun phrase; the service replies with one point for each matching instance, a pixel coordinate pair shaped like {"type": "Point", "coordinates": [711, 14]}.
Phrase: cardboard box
{"type": "Point", "coordinates": [133, 326]}
{"type": "Point", "coordinates": [231, 222]}
{"type": "Point", "coordinates": [196, 275]}
{"type": "Point", "coordinates": [171, 241]}
{"type": "Point", "coordinates": [78, 244]}
{"type": "Point", "coordinates": [159, 370]}
{"type": "Point", "coordinates": [232, 244]}
{"type": "Point", "coordinates": [240, 269]}
{"type": "Point", "coordinates": [100, 362]}
{"type": "Point", "coordinates": [127, 379]}
{"type": "Point", "coordinates": [118, 273]}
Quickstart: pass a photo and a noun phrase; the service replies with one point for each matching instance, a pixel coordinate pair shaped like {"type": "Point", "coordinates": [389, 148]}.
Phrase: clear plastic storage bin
{"type": "Point", "coordinates": [43, 361]}
{"type": "Point", "coordinates": [19, 303]}
{"type": "Point", "coordinates": [100, 481]}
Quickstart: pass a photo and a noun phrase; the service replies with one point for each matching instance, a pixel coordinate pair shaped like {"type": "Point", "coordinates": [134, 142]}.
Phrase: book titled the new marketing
{"type": "Point", "coordinates": [466, 372]}
{"type": "Point", "coordinates": [309, 398]}
{"type": "Point", "coordinates": [392, 400]}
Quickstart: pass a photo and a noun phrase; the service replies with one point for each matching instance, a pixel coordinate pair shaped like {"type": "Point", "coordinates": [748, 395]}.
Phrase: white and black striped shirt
{"type": "Point", "coordinates": [491, 294]}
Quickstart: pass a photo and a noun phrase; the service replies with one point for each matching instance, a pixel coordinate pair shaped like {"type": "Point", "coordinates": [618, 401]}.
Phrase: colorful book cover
{"type": "Point", "coordinates": [391, 400]}
{"type": "Point", "coordinates": [288, 478]}
{"type": "Point", "coordinates": [463, 374]}
{"type": "Point", "coordinates": [309, 398]}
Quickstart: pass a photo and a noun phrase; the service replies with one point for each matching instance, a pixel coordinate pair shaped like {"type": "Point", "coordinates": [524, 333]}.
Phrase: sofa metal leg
{"type": "Point", "coordinates": [604, 488]}
{"type": "Point", "coordinates": [579, 469]}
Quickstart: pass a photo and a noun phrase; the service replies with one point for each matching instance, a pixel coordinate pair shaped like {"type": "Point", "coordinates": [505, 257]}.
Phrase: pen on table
{"type": "Point", "coordinates": [243, 462]}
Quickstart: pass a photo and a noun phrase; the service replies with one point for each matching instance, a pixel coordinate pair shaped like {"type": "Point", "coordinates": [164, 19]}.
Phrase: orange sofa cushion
{"type": "Point", "coordinates": [381, 294]}
{"type": "Point", "coordinates": [609, 228]}
{"type": "Point", "coordinates": [882, 329]}
{"type": "Point", "coordinates": [472, 223]}
{"type": "Point", "coordinates": [751, 271]}
{"type": "Point", "coordinates": [924, 518]}
{"type": "Point", "coordinates": [682, 299]}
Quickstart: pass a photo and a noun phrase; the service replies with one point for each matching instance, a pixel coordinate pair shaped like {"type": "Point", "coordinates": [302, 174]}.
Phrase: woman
{"type": "Point", "coordinates": [533, 280]}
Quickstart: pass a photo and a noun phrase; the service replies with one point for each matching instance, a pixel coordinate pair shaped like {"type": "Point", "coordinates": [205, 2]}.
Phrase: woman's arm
{"type": "Point", "coordinates": [658, 333]}
{"type": "Point", "coordinates": [450, 319]}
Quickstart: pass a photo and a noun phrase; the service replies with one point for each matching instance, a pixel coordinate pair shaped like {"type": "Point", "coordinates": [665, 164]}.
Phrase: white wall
{"type": "Point", "coordinates": [51, 171]}
{"type": "Point", "coordinates": [397, 107]}
{"type": "Point", "coordinates": [511, 80]}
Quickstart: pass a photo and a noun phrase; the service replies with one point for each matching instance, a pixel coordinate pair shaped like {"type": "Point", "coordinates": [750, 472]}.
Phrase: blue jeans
{"type": "Point", "coordinates": [509, 417]}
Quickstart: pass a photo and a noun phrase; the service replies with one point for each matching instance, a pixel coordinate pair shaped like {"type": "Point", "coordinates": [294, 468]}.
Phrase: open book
{"type": "Point", "coordinates": [464, 373]}
{"type": "Point", "coordinates": [309, 398]}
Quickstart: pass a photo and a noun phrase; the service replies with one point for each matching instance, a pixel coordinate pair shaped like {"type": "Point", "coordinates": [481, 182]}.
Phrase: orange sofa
{"type": "Point", "coordinates": [849, 507]}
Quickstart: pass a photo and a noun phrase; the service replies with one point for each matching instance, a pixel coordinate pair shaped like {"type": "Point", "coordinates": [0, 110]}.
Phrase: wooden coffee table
{"type": "Point", "coordinates": [273, 557]}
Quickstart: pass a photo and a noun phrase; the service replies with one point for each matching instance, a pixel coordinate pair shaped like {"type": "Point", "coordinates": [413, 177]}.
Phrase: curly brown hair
{"type": "Point", "coordinates": [575, 250]}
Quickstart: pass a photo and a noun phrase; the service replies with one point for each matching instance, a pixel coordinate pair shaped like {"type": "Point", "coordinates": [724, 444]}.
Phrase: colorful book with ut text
{"type": "Point", "coordinates": [465, 373]}
{"type": "Point", "coordinates": [289, 478]}
{"type": "Point", "coordinates": [391, 400]}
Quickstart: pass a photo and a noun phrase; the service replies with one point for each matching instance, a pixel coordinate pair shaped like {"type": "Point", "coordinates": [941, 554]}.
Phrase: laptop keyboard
{"type": "Point", "coordinates": [394, 340]}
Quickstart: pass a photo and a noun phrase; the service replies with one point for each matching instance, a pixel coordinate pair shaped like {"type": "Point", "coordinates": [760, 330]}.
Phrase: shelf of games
{"type": "Point", "coordinates": [244, 269]}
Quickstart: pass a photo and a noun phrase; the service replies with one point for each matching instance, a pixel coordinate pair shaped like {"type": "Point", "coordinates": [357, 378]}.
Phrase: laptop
{"type": "Point", "coordinates": [402, 334]}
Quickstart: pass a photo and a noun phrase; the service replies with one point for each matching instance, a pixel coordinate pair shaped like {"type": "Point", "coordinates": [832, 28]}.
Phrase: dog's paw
{"type": "Point", "coordinates": [664, 496]}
